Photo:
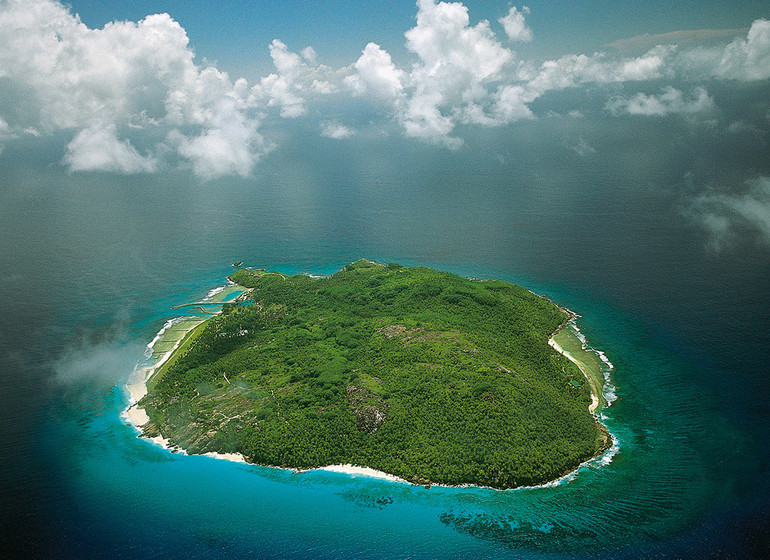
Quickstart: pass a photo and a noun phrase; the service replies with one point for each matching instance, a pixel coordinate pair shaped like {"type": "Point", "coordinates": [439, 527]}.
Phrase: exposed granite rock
{"type": "Point", "coordinates": [369, 409]}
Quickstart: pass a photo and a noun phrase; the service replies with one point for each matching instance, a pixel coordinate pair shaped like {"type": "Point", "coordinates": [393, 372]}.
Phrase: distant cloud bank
{"type": "Point", "coordinates": [108, 86]}
{"type": "Point", "coordinates": [725, 215]}
{"type": "Point", "coordinates": [671, 101]}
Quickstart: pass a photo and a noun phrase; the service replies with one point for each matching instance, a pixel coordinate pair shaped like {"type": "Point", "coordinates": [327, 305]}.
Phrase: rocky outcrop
{"type": "Point", "coordinates": [369, 409]}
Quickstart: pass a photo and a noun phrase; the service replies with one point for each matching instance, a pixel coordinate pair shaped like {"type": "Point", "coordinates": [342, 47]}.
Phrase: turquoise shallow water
{"type": "Point", "coordinates": [660, 483]}
{"type": "Point", "coordinates": [93, 264]}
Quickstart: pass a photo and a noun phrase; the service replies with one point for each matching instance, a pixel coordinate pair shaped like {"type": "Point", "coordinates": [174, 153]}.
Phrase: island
{"type": "Point", "coordinates": [425, 375]}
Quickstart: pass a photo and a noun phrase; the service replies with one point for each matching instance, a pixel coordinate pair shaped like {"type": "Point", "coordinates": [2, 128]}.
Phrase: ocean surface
{"type": "Point", "coordinates": [92, 264]}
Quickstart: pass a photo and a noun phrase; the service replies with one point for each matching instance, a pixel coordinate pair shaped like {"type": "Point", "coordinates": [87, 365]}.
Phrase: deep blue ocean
{"type": "Point", "coordinates": [91, 264]}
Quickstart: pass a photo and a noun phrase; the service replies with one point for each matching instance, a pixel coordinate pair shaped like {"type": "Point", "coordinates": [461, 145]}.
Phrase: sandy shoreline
{"type": "Point", "coordinates": [597, 395]}
{"type": "Point", "coordinates": [594, 389]}
{"type": "Point", "coordinates": [354, 470]}
{"type": "Point", "coordinates": [136, 384]}
{"type": "Point", "coordinates": [136, 387]}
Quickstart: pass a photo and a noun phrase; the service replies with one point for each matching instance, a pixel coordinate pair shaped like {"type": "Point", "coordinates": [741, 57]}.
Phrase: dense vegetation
{"type": "Point", "coordinates": [418, 373]}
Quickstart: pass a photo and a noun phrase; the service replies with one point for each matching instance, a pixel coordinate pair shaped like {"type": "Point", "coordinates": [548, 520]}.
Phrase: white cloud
{"type": "Point", "coordinates": [423, 119]}
{"type": "Point", "coordinates": [97, 148]}
{"type": "Point", "coordinates": [59, 74]}
{"type": "Point", "coordinates": [455, 79]}
{"type": "Point", "coordinates": [515, 26]}
{"type": "Point", "coordinates": [336, 130]}
{"type": "Point", "coordinates": [376, 75]}
{"type": "Point", "coordinates": [573, 70]}
{"type": "Point", "coordinates": [743, 59]}
{"type": "Point", "coordinates": [323, 87]}
{"type": "Point", "coordinates": [464, 74]}
{"type": "Point", "coordinates": [229, 144]}
{"type": "Point", "coordinates": [193, 100]}
{"type": "Point", "coordinates": [748, 59]}
{"type": "Point", "coordinates": [511, 103]}
{"type": "Point", "coordinates": [723, 215]}
{"type": "Point", "coordinates": [73, 76]}
{"type": "Point", "coordinates": [671, 101]}
{"type": "Point", "coordinates": [448, 46]}
{"type": "Point", "coordinates": [63, 75]}
{"type": "Point", "coordinates": [293, 82]}
{"type": "Point", "coordinates": [456, 63]}
{"type": "Point", "coordinates": [283, 88]}
{"type": "Point", "coordinates": [650, 66]}
{"type": "Point", "coordinates": [309, 54]}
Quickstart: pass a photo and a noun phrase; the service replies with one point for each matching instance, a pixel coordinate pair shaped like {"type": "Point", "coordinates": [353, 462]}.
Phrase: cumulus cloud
{"type": "Point", "coordinates": [97, 148]}
{"type": "Point", "coordinates": [457, 61]}
{"type": "Point", "coordinates": [59, 74]}
{"type": "Point", "coordinates": [229, 144]}
{"type": "Point", "coordinates": [458, 77]}
{"type": "Point", "coordinates": [336, 130]}
{"type": "Point", "coordinates": [63, 75]}
{"type": "Point", "coordinates": [671, 101]}
{"type": "Point", "coordinates": [309, 54]}
{"type": "Point", "coordinates": [744, 59]}
{"type": "Point", "coordinates": [723, 215]}
{"type": "Point", "coordinates": [423, 119]}
{"type": "Point", "coordinates": [511, 103]}
{"type": "Point", "coordinates": [73, 76]}
{"type": "Point", "coordinates": [573, 70]}
{"type": "Point", "coordinates": [376, 75]}
{"type": "Point", "coordinates": [465, 75]}
{"type": "Point", "coordinates": [283, 88]}
{"type": "Point", "coordinates": [515, 26]}
{"type": "Point", "coordinates": [296, 78]}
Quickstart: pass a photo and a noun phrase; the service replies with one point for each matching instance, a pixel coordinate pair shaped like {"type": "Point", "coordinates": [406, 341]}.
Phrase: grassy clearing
{"type": "Point", "coordinates": [187, 339]}
{"type": "Point", "coordinates": [185, 332]}
{"type": "Point", "coordinates": [589, 360]}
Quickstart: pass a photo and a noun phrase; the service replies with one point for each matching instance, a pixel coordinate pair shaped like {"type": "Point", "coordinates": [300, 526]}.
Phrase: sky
{"type": "Point", "coordinates": [140, 87]}
{"type": "Point", "coordinates": [236, 34]}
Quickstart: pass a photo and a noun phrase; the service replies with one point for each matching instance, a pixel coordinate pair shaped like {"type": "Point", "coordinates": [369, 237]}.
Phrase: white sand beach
{"type": "Point", "coordinates": [594, 389]}
{"type": "Point", "coordinates": [354, 470]}
{"type": "Point", "coordinates": [136, 386]}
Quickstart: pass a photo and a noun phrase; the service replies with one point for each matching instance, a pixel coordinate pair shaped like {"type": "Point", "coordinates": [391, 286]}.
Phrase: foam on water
{"type": "Point", "coordinates": [607, 368]}
{"type": "Point", "coordinates": [167, 325]}
{"type": "Point", "coordinates": [218, 289]}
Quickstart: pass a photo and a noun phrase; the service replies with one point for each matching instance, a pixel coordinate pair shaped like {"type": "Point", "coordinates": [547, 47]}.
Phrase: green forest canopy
{"type": "Point", "coordinates": [414, 372]}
